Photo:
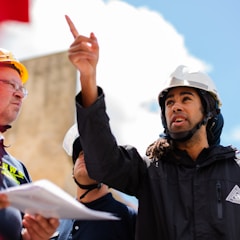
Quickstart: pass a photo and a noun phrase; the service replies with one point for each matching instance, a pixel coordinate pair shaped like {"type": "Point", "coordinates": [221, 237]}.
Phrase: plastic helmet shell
{"type": "Point", "coordinates": [7, 57]}
{"type": "Point", "coordinates": [69, 138]}
{"type": "Point", "coordinates": [183, 77]}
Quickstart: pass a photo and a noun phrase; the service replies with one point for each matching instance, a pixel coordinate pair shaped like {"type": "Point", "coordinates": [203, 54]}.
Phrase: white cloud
{"type": "Point", "coordinates": [235, 134]}
{"type": "Point", "coordinates": [231, 137]}
{"type": "Point", "coordinates": [138, 50]}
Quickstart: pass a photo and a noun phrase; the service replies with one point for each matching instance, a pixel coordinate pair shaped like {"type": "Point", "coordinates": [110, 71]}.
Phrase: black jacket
{"type": "Point", "coordinates": [179, 199]}
{"type": "Point", "coordinates": [123, 229]}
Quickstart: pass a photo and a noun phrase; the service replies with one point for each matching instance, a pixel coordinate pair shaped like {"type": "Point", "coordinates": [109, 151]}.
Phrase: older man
{"type": "Point", "coordinates": [13, 75]}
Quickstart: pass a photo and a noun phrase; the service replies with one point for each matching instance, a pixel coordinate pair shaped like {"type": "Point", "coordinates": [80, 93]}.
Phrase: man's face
{"type": "Point", "coordinates": [183, 109]}
{"type": "Point", "coordinates": [10, 100]}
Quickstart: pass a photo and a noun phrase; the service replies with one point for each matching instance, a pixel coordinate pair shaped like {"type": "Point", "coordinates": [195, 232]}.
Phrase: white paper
{"type": "Point", "coordinates": [45, 198]}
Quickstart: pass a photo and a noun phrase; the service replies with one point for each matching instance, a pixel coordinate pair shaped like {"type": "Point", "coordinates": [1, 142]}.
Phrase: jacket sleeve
{"type": "Point", "coordinates": [120, 167]}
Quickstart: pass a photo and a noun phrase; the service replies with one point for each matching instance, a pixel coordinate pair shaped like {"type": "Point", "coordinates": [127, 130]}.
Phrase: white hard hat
{"type": "Point", "coordinates": [71, 135]}
{"type": "Point", "coordinates": [182, 76]}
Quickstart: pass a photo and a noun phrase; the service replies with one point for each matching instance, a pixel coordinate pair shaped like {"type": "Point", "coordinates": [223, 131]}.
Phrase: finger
{"type": "Point", "coordinates": [72, 27]}
{"type": "Point", "coordinates": [4, 201]}
{"type": "Point", "coordinates": [25, 234]}
{"type": "Point", "coordinates": [37, 226]}
{"type": "Point", "coordinates": [94, 40]}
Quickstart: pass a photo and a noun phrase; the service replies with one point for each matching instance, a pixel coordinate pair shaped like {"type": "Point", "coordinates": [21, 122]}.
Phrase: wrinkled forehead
{"type": "Point", "coordinates": [7, 70]}
{"type": "Point", "coordinates": [9, 65]}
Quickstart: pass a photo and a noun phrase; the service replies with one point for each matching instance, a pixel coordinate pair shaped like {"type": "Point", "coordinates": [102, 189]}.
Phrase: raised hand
{"type": "Point", "coordinates": [84, 51]}
{"type": "Point", "coordinates": [84, 54]}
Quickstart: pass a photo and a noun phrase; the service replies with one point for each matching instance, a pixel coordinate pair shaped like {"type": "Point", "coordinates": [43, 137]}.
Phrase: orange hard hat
{"type": "Point", "coordinates": [7, 57]}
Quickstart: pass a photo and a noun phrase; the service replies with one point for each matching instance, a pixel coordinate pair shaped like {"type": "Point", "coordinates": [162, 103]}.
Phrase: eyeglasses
{"type": "Point", "coordinates": [15, 86]}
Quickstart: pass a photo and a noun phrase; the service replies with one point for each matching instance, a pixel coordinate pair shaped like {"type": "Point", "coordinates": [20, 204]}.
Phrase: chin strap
{"type": "Point", "coordinates": [89, 187]}
{"type": "Point", "coordinates": [4, 128]}
{"type": "Point", "coordinates": [186, 135]}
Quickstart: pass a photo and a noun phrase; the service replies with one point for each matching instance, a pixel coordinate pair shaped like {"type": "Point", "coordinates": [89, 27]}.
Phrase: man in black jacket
{"type": "Point", "coordinates": [192, 191]}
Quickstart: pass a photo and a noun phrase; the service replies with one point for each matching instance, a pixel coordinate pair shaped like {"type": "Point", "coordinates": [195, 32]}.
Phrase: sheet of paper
{"type": "Point", "coordinates": [49, 200]}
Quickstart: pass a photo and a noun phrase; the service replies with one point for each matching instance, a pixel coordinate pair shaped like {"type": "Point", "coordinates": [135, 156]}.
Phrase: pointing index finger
{"type": "Point", "coordinates": [72, 27]}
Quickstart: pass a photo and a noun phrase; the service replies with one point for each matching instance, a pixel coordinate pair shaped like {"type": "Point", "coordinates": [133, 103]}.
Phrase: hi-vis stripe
{"type": "Point", "coordinates": [11, 172]}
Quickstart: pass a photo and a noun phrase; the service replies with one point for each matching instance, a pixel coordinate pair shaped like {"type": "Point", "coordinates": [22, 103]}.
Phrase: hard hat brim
{"type": "Point", "coordinates": [20, 67]}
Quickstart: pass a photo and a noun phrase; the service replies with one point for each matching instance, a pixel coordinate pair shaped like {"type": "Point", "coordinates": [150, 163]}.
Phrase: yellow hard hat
{"type": "Point", "coordinates": [7, 57]}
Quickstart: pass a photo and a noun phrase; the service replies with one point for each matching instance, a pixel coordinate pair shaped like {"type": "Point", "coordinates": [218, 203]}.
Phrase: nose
{"type": "Point", "coordinates": [176, 107]}
{"type": "Point", "coordinates": [19, 94]}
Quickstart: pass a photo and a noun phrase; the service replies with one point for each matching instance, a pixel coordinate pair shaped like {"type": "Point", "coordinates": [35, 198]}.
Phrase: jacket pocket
{"type": "Point", "coordinates": [219, 200]}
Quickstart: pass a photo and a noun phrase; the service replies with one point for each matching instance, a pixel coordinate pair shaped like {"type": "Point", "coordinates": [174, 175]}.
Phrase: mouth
{"type": "Point", "coordinates": [178, 121]}
{"type": "Point", "coordinates": [17, 103]}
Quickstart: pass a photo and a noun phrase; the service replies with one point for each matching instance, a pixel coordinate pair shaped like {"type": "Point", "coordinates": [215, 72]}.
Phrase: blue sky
{"type": "Point", "coordinates": [211, 32]}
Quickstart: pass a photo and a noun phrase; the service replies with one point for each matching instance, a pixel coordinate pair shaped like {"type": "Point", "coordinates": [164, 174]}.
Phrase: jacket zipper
{"type": "Point", "coordinates": [219, 200]}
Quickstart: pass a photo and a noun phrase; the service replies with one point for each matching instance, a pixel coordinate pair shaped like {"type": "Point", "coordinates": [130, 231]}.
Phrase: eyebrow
{"type": "Point", "coordinates": [181, 94]}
